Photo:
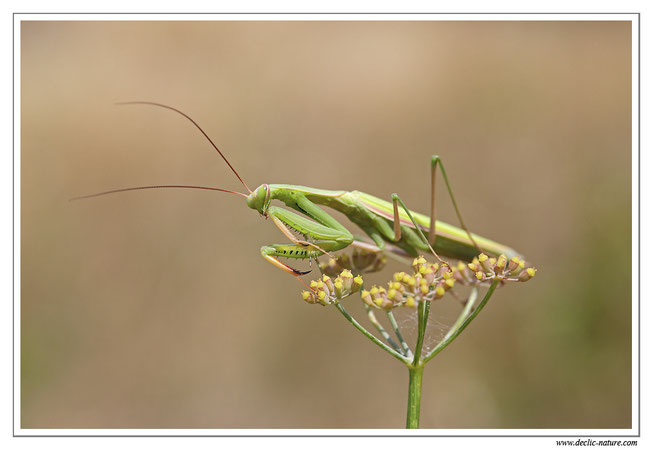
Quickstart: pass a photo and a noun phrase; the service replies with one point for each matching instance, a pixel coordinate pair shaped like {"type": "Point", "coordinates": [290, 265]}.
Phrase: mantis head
{"type": "Point", "coordinates": [260, 199]}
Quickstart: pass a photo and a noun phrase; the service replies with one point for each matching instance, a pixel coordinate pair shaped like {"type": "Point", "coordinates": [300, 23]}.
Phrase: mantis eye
{"type": "Point", "coordinates": [266, 203]}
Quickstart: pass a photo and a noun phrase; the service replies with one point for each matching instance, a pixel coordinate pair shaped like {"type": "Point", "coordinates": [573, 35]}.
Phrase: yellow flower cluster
{"type": "Point", "coordinates": [427, 282]}
{"type": "Point", "coordinates": [484, 268]}
{"type": "Point", "coordinates": [327, 291]}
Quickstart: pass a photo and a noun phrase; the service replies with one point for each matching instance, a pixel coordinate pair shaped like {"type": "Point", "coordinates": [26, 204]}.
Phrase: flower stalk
{"type": "Point", "coordinates": [414, 395]}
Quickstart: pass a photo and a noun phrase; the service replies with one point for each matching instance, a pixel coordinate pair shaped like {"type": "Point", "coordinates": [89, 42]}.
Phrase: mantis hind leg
{"type": "Point", "coordinates": [435, 161]}
{"type": "Point", "coordinates": [396, 201]}
{"type": "Point", "coordinates": [430, 242]}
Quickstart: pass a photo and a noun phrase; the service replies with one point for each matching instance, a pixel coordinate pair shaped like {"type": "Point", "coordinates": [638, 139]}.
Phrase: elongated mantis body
{"type": "Point", "coordinates": [383, 221]}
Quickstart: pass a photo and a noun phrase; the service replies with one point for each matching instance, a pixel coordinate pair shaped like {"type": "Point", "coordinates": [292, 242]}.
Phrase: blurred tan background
{"type": "Point", "coordinates": [154, 308]}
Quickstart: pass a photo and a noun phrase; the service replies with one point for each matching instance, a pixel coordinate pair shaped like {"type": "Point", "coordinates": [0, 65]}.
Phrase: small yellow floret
{"type": "Point", "coordinates": [419, 260]}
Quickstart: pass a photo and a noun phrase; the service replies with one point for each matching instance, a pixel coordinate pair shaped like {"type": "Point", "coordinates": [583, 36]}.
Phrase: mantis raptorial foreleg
{"type": "Point", "coordinates": [327, 238]}
{"type": "Point", "coordinates": [286, 231]}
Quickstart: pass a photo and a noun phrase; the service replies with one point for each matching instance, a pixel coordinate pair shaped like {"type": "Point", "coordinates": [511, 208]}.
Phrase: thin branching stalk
{"type": "Point", "coordinates": [372, 318]}
{"type": "Point", "coordinates": [471, 301]}
{"type": "Point", "coordinates": [395, 327]}
{"type": "Point", "coordinates": [422, 317]}
{"type": "Point", "coordinates": [442, 345]}
{"type": "Point", "coordinates": [370, 336]}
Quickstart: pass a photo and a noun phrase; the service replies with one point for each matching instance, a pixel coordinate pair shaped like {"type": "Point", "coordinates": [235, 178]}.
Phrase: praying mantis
{"type": "Point", "coordinates": [390, 228]}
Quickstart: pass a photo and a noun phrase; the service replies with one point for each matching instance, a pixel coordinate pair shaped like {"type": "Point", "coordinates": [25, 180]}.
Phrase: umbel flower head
{"type": "Point", "coordinates": [428, 282]}
{"type": "Point", "coordinates": [485, 269]}
{"type": "Point", "coordinates": [328, 291]}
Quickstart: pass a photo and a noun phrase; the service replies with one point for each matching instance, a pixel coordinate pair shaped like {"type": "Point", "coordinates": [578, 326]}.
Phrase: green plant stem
{"type": "Point", "coordinates": [370, 336]}
{"type": "Point", "coordinates": [456, 332]}
{"type": "Point", "coordinates": [402, 341]}
{"type": "Point", "coordinates": [372, 318]}
{"type": "Point", "coordinates": [414, 395]}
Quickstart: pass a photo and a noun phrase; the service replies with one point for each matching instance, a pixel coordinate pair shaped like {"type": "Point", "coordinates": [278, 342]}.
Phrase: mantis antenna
{"type": "Point", "coordinates": [161, 105]}
{"type": "Point", "coordinates": [114, 191]}
{"type": "Point", "coordinates": [137, 188]}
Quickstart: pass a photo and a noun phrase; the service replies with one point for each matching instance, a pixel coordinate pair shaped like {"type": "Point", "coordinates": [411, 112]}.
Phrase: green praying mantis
{"type": "Point", "coordinates": [390, 228]}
